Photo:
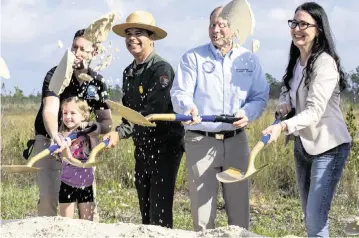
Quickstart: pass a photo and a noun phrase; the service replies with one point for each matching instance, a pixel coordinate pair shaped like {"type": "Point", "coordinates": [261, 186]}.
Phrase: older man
{"type": "Point", "coordinates": [146, 89]}
{"type": "Point", "coordinates": [213, 79]}
{"type": "Point", "coordinates": [48, 119]}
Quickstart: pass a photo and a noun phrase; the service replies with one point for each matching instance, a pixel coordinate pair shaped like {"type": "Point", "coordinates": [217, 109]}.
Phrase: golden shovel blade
{"type": "Point", "coordinates": [130, 115]}
{"type": "Point", "coordinates": [18, 168]}
{"type": "Point", "coordinates": [352, 229]}
{"type": "Point", "coordinates": [29, 166]}
{"type": "Point", "coordinates": [252, 172]}
{"type": "Point", "coordinates": [233, 175]}
{"type": "Point", "coordinates": [230, 175]}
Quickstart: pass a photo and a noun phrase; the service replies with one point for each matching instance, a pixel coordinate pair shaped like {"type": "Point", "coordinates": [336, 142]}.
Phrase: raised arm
{"type": "Point", "coordinates": [50, 116]}
{"type": "Point", "coordinates": [51, 107]}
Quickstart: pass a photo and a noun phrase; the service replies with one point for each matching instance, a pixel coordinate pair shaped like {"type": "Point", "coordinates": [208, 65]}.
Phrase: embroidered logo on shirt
{"type": "Point", "coordinates": [164, 81]}
{"type": "Point", "coordinates": [92, 92]}
{"type": "Point", "coordinates": [208, 67]}
{"type": "Point", "coordinates": [244, 71]}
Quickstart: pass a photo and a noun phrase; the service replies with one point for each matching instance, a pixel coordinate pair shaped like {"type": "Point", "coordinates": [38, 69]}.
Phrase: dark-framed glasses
{"type": "Point", "coordinates": [302, 24]}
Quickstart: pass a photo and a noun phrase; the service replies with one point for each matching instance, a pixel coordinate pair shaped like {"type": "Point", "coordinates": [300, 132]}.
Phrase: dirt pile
{"type": "Point", "coordinates": [65, 227]}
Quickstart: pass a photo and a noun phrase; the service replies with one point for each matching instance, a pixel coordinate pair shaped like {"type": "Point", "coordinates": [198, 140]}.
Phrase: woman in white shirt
{"type": "Point", "coordinates": [313, 82]}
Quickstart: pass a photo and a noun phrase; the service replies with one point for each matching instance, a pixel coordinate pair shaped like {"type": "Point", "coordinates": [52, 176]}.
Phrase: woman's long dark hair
{"type": "Point", "coordinates": [322, 43]}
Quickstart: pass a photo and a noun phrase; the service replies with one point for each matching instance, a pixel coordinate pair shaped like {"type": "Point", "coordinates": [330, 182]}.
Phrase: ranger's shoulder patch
{"type": "Point", "coordinates": [164, 80]}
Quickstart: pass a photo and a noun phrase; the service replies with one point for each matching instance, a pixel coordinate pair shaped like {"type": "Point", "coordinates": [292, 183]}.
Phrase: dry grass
{"type": "Point", "coordinates": [275, 204]}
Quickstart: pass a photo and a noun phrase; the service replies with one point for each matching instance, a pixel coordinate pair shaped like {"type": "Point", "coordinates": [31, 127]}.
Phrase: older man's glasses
{"type": "Point", "coordinates": [302, 25]}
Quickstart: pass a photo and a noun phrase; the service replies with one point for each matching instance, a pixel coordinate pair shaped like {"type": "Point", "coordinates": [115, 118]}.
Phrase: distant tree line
{"type": "Point", "coordinates": [351, 94]}
{"type": "Point", "coordinates": [17, 95]}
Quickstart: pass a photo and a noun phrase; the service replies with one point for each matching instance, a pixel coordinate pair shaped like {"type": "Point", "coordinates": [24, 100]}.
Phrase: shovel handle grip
{"type": "Point", "coordinates": [226, 118]}
{"type": "Point", "coordinates": [208, 118]}
{"type": "Point", "coordinates": [73, 136]}
{"type": "Point", "coordinates": [181, 117]}
{"type": "Point", "coordinates": [106, 142]}
{"type": "Point", "coordinates": [278, 119]}
{"type": "Point", "coordinates": [266, 138]}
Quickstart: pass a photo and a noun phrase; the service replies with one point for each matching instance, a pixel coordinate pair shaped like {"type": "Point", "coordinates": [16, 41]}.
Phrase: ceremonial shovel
{"type": "Point", "coordinates": [139, 119]}
{"type": "Point", "coordinates": [29, 166]}
{"type": "Point", "coordinates": [234, 175]}
{"type": "Point", "coordinates": [130, 115]}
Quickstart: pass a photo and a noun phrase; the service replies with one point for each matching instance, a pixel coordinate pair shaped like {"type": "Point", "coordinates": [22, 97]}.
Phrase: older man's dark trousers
{"type": "Point", "coordinates": [155, 177]}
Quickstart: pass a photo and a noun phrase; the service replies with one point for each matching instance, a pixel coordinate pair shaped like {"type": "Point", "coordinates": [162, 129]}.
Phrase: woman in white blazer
{"type": "Point", "coordinates": [313, 82]}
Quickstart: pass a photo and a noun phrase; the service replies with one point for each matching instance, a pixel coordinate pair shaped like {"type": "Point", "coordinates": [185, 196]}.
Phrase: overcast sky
{"type": "Point", "coordinates": [30, 30]}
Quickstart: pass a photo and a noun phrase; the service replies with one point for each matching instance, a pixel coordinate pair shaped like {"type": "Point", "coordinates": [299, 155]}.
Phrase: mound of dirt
{"type": "Point", "coordinates": [66, 227]}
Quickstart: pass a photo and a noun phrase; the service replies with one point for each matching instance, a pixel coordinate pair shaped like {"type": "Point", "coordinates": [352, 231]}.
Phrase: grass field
{"type": "Point", "coordinates": [275, 209]}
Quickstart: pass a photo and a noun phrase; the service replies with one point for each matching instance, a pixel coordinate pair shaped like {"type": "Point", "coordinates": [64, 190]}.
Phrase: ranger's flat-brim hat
{"type": "Point", "coordinates": [141, 20]}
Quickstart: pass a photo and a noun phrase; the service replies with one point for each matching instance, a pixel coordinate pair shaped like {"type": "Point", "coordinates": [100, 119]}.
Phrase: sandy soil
{"type": "Point", "coordinates": [65, 227]}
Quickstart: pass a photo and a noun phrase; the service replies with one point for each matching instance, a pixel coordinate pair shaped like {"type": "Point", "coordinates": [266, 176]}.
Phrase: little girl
{"type": "Point", "coordinates": [76, 183]}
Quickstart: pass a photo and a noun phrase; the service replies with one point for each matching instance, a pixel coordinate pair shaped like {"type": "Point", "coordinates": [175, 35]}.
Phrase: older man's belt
{"type": "Point", "coordinates": [221, 135]}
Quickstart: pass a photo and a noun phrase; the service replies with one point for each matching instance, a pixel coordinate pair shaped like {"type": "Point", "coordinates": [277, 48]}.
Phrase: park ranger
{"type": "Point", "coordinates": [146, 88]}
